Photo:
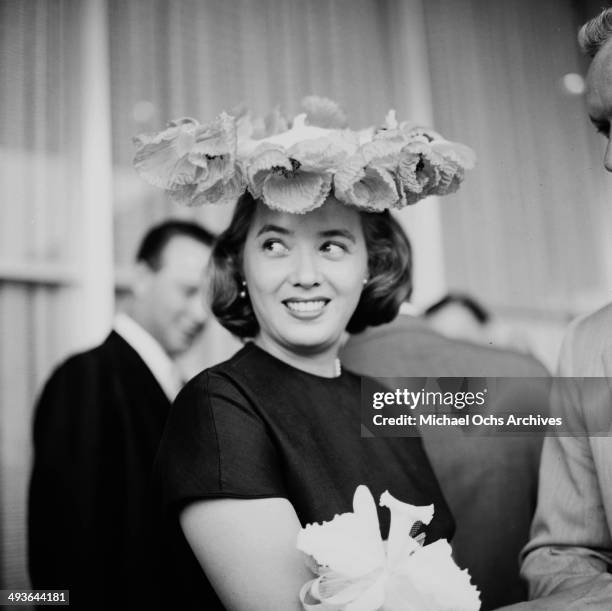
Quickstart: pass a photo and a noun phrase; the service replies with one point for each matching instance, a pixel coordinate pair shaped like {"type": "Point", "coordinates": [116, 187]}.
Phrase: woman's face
{"type": "Point", "coordinates": [304, 275]}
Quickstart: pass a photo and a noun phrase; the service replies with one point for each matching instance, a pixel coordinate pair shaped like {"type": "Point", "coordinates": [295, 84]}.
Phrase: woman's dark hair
{"type": "Point", "coordinates": [389, 272]}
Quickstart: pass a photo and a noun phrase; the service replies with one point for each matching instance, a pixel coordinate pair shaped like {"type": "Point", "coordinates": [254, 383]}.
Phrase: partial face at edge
{"type": "Point", "coordinates": [599, 96]}
{"type": "Point", "coordinates": [305, 274]}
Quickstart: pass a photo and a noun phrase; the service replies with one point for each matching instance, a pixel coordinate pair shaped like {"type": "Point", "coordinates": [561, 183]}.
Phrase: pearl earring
{"type": "Point", "coordinates": [243, 293]}
{"type": "Point", "coordinates": [365, 281]}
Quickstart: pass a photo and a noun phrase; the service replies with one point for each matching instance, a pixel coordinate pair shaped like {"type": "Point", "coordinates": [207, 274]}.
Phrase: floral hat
{"type": "Point", "coordinates": [294, 166]}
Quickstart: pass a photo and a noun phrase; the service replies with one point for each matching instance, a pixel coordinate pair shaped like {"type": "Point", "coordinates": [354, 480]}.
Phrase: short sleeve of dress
{"type": "Point", "coordinates": [216, 445]}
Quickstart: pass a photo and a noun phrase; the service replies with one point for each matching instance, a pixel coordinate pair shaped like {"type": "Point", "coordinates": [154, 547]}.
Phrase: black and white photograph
{"type": "Point", "coordinates": [306, 305]}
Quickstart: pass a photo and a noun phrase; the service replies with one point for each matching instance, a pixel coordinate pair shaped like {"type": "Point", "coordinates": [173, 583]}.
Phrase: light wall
{"type": "Point", "coordinates": [529, 233]}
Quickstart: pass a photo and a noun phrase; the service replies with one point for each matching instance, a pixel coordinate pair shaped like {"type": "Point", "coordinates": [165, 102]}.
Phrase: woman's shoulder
{"type": "Point", "coordinates": [250, 358]}
{"type": "Point", "coordinates": [216, 401]}
{"type": "Point", "coordinates": [216, 381]}
{"type": "Point", "coordinates": [233, 368]}
{"type": "Point", "coordinates": [241, 382]}
{"type": "Point", "coordinates": [216, 444]}
{"type": "Point", "coordinates": [354, 377]}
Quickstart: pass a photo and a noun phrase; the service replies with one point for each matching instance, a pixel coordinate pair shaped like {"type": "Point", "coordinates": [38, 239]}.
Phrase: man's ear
{"type": "Point", "coordinates": [141, 278]}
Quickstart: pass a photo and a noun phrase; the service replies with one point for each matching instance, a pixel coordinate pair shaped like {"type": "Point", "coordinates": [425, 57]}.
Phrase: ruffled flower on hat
{"type": "Point", "coordinates": [294, 169]}
{"type": "Point", "coordinates": [418, 171]}
{"type": "Point", "coordinates": [365, 182]}
{"type": "Point", "coordinates": [194, 163]}
{"type": "Point", "coordinates": [294, 179]}
{"type": "Point", "coordinates": [357, 571]}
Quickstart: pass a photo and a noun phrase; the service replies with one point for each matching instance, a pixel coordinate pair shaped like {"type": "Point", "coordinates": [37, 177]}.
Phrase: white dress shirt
{"type": "Point", "coordinates": [151, 352]}
{"type": "Point", "coordinates": [408, 309]}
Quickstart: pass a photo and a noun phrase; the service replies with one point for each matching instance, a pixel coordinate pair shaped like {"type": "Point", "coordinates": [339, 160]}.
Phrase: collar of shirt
{"type": "Point", "coordinates": [407, 309]}
{"type": "Point", "coordinates": [151, 352]}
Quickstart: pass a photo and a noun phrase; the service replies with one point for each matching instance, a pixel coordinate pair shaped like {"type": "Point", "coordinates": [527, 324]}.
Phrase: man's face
{"type": "Point", "coordinates": [599, 96]}
{"type": "Point", "coordinates": [170, 298]}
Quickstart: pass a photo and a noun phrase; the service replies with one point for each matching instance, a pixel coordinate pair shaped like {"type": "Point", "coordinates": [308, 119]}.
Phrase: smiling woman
{"type": "Point", "coordinates": [304, 277]}
{"type": "Point", "coordinates": [269, 441]}
{"type": "Point", "coordinates": [275, 431]}
{"type": "Point", "coordinates": [334, 239]}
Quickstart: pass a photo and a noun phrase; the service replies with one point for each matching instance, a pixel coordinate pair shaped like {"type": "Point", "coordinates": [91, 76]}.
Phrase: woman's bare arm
{"type": "Point", "coordinates": [248, 549]}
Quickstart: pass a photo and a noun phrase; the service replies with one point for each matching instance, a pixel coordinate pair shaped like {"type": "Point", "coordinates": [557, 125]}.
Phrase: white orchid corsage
{"type": "Point", "coordinates": [358, 571]}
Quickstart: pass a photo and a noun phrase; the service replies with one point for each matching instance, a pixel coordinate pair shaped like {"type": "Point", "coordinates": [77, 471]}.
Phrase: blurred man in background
{"type": "Point", "coordinates": [98, 423]}
{"type": "Point", "coordinates": [489, 482]}
{"type": "Point", "coordinates": [568, 561]}
{"type": "Point", "coordinates": [459, 316]}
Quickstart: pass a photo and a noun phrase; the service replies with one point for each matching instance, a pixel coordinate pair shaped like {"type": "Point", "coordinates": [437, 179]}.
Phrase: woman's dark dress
{"type": "Point", "coordinates": [255, 427]}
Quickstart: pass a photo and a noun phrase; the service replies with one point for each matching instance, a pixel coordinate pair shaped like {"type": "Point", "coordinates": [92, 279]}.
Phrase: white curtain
{"type": "Point", "coordinates": [530, 231]}
{"type": "Point", "coordinates": [40, 185]}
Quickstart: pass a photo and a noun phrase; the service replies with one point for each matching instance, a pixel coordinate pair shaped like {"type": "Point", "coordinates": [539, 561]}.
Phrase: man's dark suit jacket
{"type": "Point", "coordinates": [97, 426]}
{"type": "Point", "coordinates": [490, 483]}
